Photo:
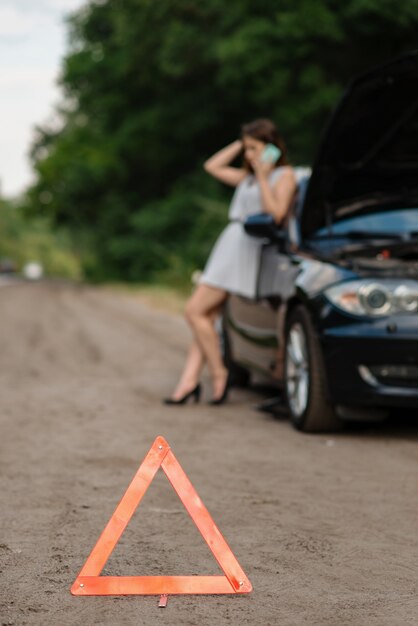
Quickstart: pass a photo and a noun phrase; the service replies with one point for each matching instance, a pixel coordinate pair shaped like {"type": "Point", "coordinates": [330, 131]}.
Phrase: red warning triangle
{"type": "Point", "coordinates": [90, 583]}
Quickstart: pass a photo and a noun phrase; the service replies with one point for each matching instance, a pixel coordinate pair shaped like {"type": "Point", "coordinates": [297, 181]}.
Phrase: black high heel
{"type": "Point", "coordinates": [194, 393]}
{"type": "Point", "coordinates": [224, 396]}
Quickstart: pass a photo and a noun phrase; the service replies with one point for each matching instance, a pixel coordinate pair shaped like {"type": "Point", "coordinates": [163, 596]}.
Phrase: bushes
{"type": "Point", "coordinates": [23, 240]}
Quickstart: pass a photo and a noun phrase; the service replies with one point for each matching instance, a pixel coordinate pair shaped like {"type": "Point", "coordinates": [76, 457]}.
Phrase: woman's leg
{"type": "Point", "coordinates": [191, 371]}
{"type": "Point", "coordinates": [200, 313]}
{"type": "Point", "coordinates": [195, 361]}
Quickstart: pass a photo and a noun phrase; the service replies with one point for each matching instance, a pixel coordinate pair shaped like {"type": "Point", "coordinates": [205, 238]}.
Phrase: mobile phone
{"type": "Point", "coordinates": [271, 154]}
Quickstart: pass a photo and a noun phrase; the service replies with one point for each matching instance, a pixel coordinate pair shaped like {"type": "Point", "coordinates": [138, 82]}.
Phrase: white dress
{"type": "Point", "coordinates": [234, 262]}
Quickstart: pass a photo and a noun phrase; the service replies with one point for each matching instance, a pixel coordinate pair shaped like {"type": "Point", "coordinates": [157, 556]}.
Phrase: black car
{"type": "Point", "coordinates": [335, 321]}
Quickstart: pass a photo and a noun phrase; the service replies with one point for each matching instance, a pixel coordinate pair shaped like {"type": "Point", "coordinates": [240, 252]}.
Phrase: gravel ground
{"type": "Point", "coordinates": [324, 526]}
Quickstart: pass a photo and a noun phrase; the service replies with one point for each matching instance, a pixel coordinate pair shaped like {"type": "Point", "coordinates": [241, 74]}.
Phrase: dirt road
{"type": "Point", "coordinates": [325, 526]}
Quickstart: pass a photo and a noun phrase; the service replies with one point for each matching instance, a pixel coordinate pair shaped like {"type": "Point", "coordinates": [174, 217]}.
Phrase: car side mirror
{"type": "Point", "coordinates": [263, 225]}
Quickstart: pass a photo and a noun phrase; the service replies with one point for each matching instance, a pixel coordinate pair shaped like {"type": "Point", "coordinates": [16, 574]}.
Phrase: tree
{"type": "Point", "coordinates": [151, 89]}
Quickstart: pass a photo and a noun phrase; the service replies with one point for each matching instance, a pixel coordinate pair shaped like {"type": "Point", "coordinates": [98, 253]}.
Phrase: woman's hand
{"type": "Point", "coordinates": [261, 168]}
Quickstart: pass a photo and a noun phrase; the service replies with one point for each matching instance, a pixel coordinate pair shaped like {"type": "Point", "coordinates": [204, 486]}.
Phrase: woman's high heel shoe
{"type": "Point", "coordinates": [224, 396]}
{"type": "Point", "coordinates": [194, 393]}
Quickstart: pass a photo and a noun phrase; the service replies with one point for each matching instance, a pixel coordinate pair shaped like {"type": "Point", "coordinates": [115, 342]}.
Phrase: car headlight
{"type": "Point", "coordinates": [375, 298]}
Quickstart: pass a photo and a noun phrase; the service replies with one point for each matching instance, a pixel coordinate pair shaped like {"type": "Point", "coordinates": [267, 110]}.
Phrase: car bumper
{"type": "Point", "coordinates": [371, 370]}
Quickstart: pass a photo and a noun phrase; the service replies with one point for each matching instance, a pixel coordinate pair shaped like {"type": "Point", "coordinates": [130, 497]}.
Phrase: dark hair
{"type": "Point", "coordinates": [264, 130]}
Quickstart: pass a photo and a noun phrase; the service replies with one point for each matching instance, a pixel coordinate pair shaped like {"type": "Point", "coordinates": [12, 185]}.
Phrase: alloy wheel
{"type": "Point", "coordinates": [297, 370]}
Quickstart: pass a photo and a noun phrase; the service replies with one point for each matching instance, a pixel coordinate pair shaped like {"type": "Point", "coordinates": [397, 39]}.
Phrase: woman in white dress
{"type": "Point", "coordinates": [262, 185]}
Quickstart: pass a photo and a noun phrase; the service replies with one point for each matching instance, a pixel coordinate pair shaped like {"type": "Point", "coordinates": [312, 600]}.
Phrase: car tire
{"type": "Point", "coordinates": [239, 376]}
{"type": "Point", "coordinates": [305, 382]}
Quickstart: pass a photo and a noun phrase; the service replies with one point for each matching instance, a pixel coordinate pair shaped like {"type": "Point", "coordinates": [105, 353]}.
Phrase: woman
{"type": "Point", "coordinates": [261, 186]}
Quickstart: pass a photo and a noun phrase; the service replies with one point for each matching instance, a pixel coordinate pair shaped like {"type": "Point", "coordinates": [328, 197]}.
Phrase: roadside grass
{"type": "Point", "coordinates": [24, 240]}
{"type": "Point", "coordinates": [157, 296]}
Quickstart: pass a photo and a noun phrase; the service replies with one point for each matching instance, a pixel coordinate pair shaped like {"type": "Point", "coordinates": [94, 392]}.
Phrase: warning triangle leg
{"type": "Point", "coordinates": [125, 509]}
{"type": "Point", "coordinates": [203, 520]}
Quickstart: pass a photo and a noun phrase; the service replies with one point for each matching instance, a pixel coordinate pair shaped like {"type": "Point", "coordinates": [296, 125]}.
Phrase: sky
{"type": "Point", "coordinates": [33, 41]}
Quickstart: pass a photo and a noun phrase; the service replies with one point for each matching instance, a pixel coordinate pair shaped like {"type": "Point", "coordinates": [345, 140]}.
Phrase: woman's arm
{"type": "Point", "coordinates": [276, 200]}
{"type": "Point", "coordinates": [218, 165]}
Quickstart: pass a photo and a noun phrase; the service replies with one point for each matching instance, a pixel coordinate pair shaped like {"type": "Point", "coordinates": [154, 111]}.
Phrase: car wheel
{"type": "Point", "coordinates": [239, 376]}
{"type": "Point", "coordinates": [305, 383]}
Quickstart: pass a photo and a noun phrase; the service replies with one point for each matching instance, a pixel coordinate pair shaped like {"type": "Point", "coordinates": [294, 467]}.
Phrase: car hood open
{"type": "Point", "coordinates": [369, 153]}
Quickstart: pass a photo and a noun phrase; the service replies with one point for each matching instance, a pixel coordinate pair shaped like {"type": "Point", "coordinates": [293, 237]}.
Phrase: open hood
{"type": "Point", "coordinates": [369, 152]}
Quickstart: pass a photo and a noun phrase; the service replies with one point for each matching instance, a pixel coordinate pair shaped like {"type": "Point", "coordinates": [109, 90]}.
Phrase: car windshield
{"type": "Point", "coordinates": [391, 222]}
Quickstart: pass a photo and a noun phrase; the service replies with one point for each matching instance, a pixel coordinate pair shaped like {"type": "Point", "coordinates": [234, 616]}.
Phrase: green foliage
{"type": "Point", "coordinates": [152, 88]}
{"type": "Point", "coordinates": [23, 240]}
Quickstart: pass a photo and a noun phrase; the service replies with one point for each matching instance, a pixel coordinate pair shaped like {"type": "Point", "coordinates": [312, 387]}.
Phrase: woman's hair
{"type": "Point", "coordinates": [264, 130]}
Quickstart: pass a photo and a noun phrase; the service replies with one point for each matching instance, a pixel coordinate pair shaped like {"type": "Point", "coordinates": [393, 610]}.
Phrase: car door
{"type": "Point", "coordinates": [253, 324]}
